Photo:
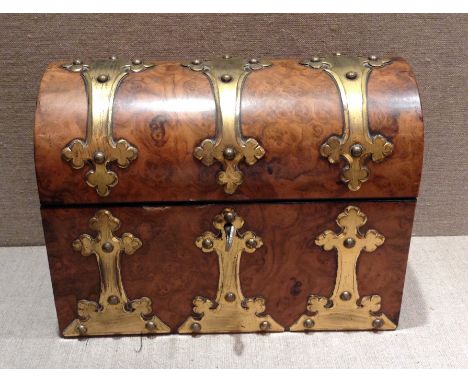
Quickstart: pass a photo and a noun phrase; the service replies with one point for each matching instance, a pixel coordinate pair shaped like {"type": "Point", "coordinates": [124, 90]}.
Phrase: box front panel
{"type": "Point", "coordinates": [285, 253]}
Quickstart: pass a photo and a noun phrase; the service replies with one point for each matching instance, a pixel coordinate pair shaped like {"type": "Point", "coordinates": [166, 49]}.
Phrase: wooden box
{"type": "Point", "coordinates": [252, 195]}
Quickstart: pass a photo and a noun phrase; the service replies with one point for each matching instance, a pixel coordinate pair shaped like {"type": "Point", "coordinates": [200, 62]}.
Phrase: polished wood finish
{"type": "Point", "coordinates": [171, 270]}
{"type": "Point", "coordinates": [167, 111]}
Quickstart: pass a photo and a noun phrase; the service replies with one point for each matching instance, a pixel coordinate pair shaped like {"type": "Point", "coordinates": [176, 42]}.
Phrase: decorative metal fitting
{"type": "Point", "coordinates": [231, 311]}
{"type": "Point", "coordinates": [345, 310]}
{"type": "Point", "coordinates": [227, 77]}
{"type": "Point", "coordinates": [102, 79]}
{"type": "Point", "coordinates": [356, 145]}
{"type": "Point", "coordinates": [115, 313]}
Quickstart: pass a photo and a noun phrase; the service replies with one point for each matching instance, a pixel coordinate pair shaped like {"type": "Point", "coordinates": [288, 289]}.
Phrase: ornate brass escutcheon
{"type": "Point", "coordinates": [345, 310]}
{"type": "Point", "coordinates": [229, 147]}
{"type": "Point", "coordinates": [115, 313]}
{"type": "Point", "coordinates": [356, 145]}
{"type": "Point", "coordinates": [231, 312]}
{"type": "Point", "coordinates": [102, 79]}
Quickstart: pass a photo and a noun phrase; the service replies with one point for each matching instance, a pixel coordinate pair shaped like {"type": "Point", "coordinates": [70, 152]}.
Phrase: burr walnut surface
{"type": "Point", "coordinates": [171, 270]}
{"type": "Point", "coordinates": [168, 110]}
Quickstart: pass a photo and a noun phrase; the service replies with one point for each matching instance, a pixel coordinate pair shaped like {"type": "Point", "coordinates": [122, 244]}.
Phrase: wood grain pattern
{"type": "Point", "coordinates": [290, 109]}
{"type": "Point", "coordinates": [171, 270]}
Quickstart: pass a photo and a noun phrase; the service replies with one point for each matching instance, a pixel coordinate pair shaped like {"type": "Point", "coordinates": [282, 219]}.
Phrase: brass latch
{"type": "Point", "coordinates": [356, 145]}
{"type": "Point", "coordinates": [102, 79]}
{"type": "Point", "coordinates": [231, 311]}
{"type": "Point", "coordinates": [345, 310]}
{"type": "Point", "coordinates": [115, 313]}
{"type": "Point", "coordinates": [229, 147]}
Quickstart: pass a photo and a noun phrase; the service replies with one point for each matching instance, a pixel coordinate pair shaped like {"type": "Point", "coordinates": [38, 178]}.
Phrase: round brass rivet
{"type": "Point", "coordinates": [108, 247]}
{"type": "Point", "coordinates": [373, 58]}
{"type": "Point", "coordinates": [308, 323]}
{"type": "Point", "coordinates": [253, 61]}
{"type": "Point", "coordinates": [337, 54]}
{"type": "Point", "coordinates": [195, 327]}
{"type": "Point", "coordinates": [226, 56]}
{"type": "Point", "coordinates": [150, 325]}
{"type": "Point", "coordinates": [113, 58]}
{"type": "Point", "coordinates": [264, 325]}
{"type": "Point", "coordinates": [103, 78]}
{"type": "Point", "coordinates": [207, 244]}
{"type": "Point", "coordinates": [229, 217]}
{"type": "Point", "coordinates": [315, 59]}
{"type": "Point", "coordinates": [136, 61]}
{"type": "Point", "coordinates": [349, 242]}
{"type": "Point", "coordinates": [345, 296]}
{"type": "Point", "coordinates": [99, 157]}
{"type": "Point", "coordinates": [230, 297]}
{"type": "Point", "coordinates": [196, 62]}
{"type": "Point", "coordinates": [82, 329]}
{"type": "Point", "coordinates": [251, 243]}
{"type": "Point", "coordinates": [356, 150]}
{"type": "Point", "coordinates": [351, 75]}
{"type": "Point", "coordinates": [77, 62]}
{"type": "Point", "coordinates": [229, 153]}
{"type": "Point", "coordinates": [226, 78]}
{"type": "Point", "coordinates": [113, 300]}
{"type": "Point", "coordinates": [377, 323]}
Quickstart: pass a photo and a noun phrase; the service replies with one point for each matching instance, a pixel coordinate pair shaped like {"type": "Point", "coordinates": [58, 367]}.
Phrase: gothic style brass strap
{"type": "Point", "coordinates": [229, 147]}
{"type": "Point", "coordinates": [102, 78]}
{"type": "Point", "coordinates": [231, 312]}
{"type": "Point", "coordinates": [345, 310]}
{"type": "Point", "coordinates": [356, 145]}
{"type": "Point", "coordinates": [115, 313]}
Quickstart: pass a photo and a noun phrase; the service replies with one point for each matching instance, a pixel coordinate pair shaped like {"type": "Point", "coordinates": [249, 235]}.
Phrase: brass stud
{"type": "Point", "coordinates": [251, 243]}
{"type": "Point", "coordinates": [349, 242]}
{"type": "Point", "coordinates": [373, 58]}
{"type": "Point", "coordinates": [82, 329]}
{"type": "Point", "coordinates": [264, 326]}
{"type": "Point", "coordinates": [356, 150]}
{"type": "Point", "coordinates": [108, 247]}
{"type": "Point", "coordinates": [226, 78]}
{"type": "Point", "coordinates": [377, 323]}
{"type": "Point", "coordinates": [77, 62]}
{"type": "Point", "coordinates": [136, 61]}
{"type": "Point", "coordinates": [351, 75]}
{"type": "Point", "coordinates": [113, 58]}
{"type": "Point", "coordinates": [345, 296]}
{"type": "Point", "coordinates": [229, 153]}
{"type": "Point", "coordinates": [226, 56]}
{"type": "Point", "coordinates": [113, 300]}
{"type": "Point", "coordinates": [315, 59]}
{"type": "Point", "coordinates": [253, 61]}
{"type": "Point", "coordinates": [229, 217]}
{"type": "Point", "coordinates": [308, 323]}
{"type": "Point", "coordinates": [196, 62]}
{"type": "Point", "coordinates": [103, 78]}
{"type": "Point", "coordinates": [230, 297]}
{"type": "Point", "coordinates": [207, 243]}
{"type": "Point", "coordinates": [337, 54]}
{"type": "Point", "coordinates": [99, 157]}
{"type": "Point", "coordinates": [150, 325]}
{"type": "Point", "coordinates": [195, 327]}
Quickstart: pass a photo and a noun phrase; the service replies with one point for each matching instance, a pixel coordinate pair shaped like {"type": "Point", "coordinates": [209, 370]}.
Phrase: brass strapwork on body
{"type": "Point", "coordinates": [356, 145]}
{"type": "Point", "coordinates": [114, 313]}
{"type": "Point", "coordinates": [345, 310]}
{"type": "Point", "coordinates": [229, 147]}
{"type": "Point", "coordinates": [231, 311]}
{"type": "Point", "coordinates": [102, 79]}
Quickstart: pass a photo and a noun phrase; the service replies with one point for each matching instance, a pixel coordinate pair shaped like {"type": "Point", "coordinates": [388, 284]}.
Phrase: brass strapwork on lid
{"type": "Point", "coordinates": [229, 147]}
{"type": "Point", "coordinates": [231, 311]}
{"type": "Point", "coordinates": [345, 309]}
{"type": "Point", "coordinates": [356, 145]}
{"type": "Point", "coordinates": [102, 79]}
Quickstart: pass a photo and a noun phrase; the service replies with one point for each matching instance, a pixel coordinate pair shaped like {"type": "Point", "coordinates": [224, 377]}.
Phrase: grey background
{"type": "Point", "coordinates": [436, 45]}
